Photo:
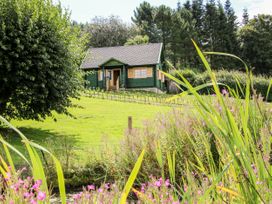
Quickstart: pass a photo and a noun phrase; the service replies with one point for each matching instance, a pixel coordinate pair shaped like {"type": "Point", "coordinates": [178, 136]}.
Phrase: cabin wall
{"type": "Point", "coordinates": [132, 77]}
{"type": "Point", "coordinates": [91, 78]}
{"type": "Point", "coordinates": [138, 81]}
{"type": "Point", "coordinates": [160, 78]}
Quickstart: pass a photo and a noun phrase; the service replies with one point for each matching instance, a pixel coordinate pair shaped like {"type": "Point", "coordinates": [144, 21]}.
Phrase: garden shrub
{"type": "Point", "coordinates": [229, 78]}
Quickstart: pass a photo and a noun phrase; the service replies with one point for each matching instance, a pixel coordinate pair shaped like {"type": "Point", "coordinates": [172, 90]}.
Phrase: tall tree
{"type": "Point", "coordinates": [198, 16]}
{"type": "Point", "coordinates": [256, 39]}
{"type": "Point", "coordinates": [144, 18]}
{"type": "Point", "coordinates": [231, 29]}
{"type": "Point", "coordinates": [183, 30]}
{"type": "Point", "coordinates": [187, 5]}
{"type": "Point", "coordinates": [245, 17]}
{"type": "Point", "coordinates": [163, 21]}
{"type": "Point", "coordinates": [106, 32]}
{"type": "Point", "coordinates": [40, 52]}
{"type": "Point", "coordinates": [210, 27]}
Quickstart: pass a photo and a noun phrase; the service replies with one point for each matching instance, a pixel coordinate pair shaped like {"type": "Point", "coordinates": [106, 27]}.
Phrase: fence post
{"type": "Point", "coordinates": [129, 125]}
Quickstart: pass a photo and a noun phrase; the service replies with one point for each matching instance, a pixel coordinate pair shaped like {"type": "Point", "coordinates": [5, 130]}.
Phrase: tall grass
{"type": "Point", "coordinates": [35, 163]}
{"type": "Point", "coordinates": [241, 166]}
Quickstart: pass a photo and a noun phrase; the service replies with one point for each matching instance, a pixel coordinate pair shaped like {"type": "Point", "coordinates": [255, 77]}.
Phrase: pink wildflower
{"type": "Point", "coordinates": [20, 181]}
{"type": "Point", "coordinates": [143, 188]}
{"type": "Point", "coordinates": [158, 183]}
{"type": "Point", "coordinates": [11, 202]}
{"type": "Point", "coordinates": [35, 187]}
{"type": "Point", "coordinates": [41, 195]}
{"type": "Point", "coordinates": [27, 195]}
{"type": "Point", "coordinates": [224, 92]}
{"type": "Point", "coordinates": [167, 183]}
{"type": "Point", "coordinates": [107, 186]}
{"type": "Point", "coordinates": [77, 196]}
{"type": "Point", "coordinates": [39, 182]}
{"type": "Point", "coordinates": [33, 201]}
{"type": "Point", "coordinates": [7, 178]}
{"type": "Point", "coordinates": [87, 196]}
{"type": "Point", "coordinates": [91, 187]}
{"type": "Point", "coordinates": [185, 188]}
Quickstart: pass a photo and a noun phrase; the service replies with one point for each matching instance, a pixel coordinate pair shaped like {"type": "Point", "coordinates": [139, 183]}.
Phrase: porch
{"type": "Point", "coordinates": [113, 74]}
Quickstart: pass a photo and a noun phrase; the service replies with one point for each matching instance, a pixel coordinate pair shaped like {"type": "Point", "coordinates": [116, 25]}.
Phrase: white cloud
{"type": "Point", "coordinates": [254, 7]}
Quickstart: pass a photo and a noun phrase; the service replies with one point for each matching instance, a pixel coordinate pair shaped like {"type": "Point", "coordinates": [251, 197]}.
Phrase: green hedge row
{"type": "Point", "coordinates": [229, 78]}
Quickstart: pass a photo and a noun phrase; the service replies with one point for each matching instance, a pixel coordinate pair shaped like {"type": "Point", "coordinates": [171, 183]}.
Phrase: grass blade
{"type": "Point", "coordinates": [132, 178]}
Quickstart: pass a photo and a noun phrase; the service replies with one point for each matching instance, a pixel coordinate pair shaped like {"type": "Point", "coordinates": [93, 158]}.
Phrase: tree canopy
{"type": "Point", "coordinates": [213, 26]}
{"type": "Point", "coordinates": [138, 40]}
{"type": "Point", "coordinates": [40, 52]}
{"type": "Point", "coordinates": [256, 38]}
{"type": "Point", "coordinates": [107, 32]}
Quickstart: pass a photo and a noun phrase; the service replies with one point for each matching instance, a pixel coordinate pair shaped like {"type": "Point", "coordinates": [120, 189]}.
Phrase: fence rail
{"type": "Point", "coordinates": [136, 98]}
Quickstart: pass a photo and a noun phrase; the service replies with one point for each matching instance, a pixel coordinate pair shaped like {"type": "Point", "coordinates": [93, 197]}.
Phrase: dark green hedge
{"type": "Point", "coordinates": [229, 78]}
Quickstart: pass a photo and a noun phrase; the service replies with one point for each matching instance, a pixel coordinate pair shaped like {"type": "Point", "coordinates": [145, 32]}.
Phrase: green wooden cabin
{"type": "Point", "coordinates": [125, 67]}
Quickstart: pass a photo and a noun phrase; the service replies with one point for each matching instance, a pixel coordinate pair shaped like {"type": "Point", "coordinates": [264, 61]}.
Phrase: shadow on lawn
{"type": "Point", "coordinates": [62, 146]}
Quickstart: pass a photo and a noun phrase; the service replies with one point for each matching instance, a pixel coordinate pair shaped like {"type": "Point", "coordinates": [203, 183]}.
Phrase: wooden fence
{"type": "Point", "coordinates": [137, 98]}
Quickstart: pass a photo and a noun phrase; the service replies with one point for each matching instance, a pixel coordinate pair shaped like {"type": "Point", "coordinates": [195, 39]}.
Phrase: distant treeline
{"type": "Point", "coordinates": [213, 25]}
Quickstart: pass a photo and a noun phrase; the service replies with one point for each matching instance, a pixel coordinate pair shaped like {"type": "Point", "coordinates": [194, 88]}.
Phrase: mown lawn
{"type": "Point", "coordinates": [95, 121]}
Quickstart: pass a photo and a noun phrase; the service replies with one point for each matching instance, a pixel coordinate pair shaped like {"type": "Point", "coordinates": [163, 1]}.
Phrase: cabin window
{"type": "Point", "coordinates": [140, 72]}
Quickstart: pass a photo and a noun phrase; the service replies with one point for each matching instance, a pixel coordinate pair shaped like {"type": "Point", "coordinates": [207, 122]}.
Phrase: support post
{"type": "Point", "coordinates": [103, 80]}
{"type": "Point", "coordinates": [124, 77]}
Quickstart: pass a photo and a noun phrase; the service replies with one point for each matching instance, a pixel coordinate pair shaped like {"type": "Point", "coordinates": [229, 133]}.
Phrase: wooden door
{"type": "Point", "coordinates": [116, 75]}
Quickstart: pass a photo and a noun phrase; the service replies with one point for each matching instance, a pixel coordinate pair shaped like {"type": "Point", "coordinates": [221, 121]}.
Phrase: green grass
{"type": "Point", "coordinates": [96, 121]}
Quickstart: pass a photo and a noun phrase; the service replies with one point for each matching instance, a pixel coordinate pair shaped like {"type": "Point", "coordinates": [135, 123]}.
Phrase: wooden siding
{"type": "Point", "coordinates": [140, 83]}
{"type": "Point", "coordinates": [92, 79]}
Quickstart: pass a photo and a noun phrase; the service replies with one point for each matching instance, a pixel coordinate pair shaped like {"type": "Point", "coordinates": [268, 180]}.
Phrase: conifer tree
{"type": "Point", "coordinates": [144, 18]}
{"type": "Point", "coordinates": [198, 15]}
{"type": "Point", "coordinates": [245, 17]}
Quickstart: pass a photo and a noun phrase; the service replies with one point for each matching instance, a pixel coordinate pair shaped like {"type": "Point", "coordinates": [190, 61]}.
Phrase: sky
{"type": "Point", "coordinates": [84, 10]}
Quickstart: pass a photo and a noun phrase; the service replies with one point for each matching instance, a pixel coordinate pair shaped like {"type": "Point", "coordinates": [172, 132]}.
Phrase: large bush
{"type": "Point", "coordinates": [234, 79]}
{"type": "Point", "coordinates": [39, 55]}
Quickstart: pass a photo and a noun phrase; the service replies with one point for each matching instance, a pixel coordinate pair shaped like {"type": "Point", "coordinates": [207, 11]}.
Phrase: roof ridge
{"type": "Point", "coordinates": [125, 46]}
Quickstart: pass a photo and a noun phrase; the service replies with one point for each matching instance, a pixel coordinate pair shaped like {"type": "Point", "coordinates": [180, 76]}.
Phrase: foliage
{"type": "Point", "coordinates": [145, 20]}
{"type": "Point", "coordinates": [20, 190]}
{"type": "Point", "coordinates": [138, 40]}
{"type": "Point", "coordinates": [228, 78]}
{"type": "Point", "coordinates": [39, 55]}
{"type": "Point", "coordinates": [108, 32]}
{"type": "Point", "coordinates": [8, 171]}
{"type": "Point", "coordinates": [153, 191]}
{"type": "Point", "coordinates": [212, 25]}
{"type": "Point", "coordinates": [33, 190]}
{"type": "Point", "coordinates": [256, 38]}
{"type": "Point", "coordinates": [245, 17]}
